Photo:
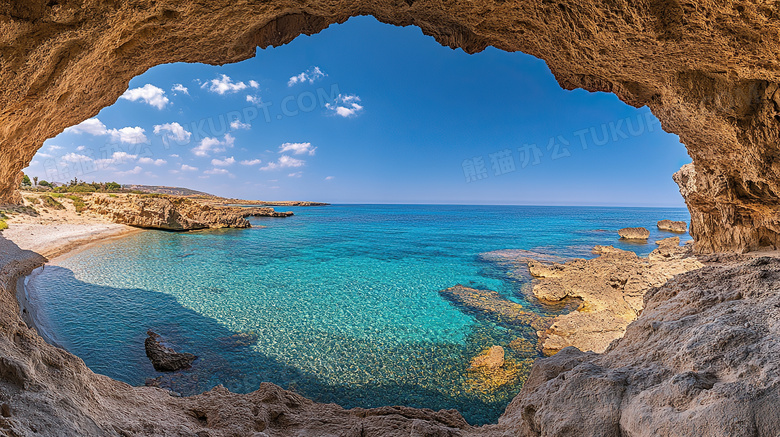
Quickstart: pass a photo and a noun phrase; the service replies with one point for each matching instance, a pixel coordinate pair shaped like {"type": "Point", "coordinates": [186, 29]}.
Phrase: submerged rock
{"type": "Point", "coordinates": [492, 358]}
{"type": "Point", "coordinates": [165, 359]}
{"type": "Point", "coordinates": [634, 233]}
{"type": "Point", "coordinates": [490, 305]}
{"type": "Point", "coordinates": [671, 226]}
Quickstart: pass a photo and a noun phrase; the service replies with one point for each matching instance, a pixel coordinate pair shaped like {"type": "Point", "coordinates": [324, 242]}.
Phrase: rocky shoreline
{"type": "Point", "coordinates": [37, 375]}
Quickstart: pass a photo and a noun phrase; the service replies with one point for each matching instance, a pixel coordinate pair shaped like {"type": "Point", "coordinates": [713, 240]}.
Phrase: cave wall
{"type": "Point", "coordinates": [708, 70]}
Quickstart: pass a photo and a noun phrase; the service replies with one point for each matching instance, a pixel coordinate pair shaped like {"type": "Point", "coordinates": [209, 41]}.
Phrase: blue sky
{"type": "Point", "coordinates": [365, 112]}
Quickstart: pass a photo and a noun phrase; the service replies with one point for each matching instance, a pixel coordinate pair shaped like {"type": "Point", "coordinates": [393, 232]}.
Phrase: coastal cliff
{"type": "Point", "coordinates": [172, 213]}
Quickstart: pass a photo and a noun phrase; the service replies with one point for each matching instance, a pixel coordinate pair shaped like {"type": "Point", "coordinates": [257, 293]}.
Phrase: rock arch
{"type": "Point", "coordinates": [708, 71]}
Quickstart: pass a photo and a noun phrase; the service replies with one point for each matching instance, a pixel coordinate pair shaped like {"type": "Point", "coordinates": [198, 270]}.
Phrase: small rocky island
{"type": "Point", "coordinates": [679, 227]}
{"type": "Point", "coordinates": [634, 233]}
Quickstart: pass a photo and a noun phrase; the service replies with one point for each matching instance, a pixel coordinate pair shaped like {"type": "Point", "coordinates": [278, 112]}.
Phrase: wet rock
{"type": "Point", "coordinates": [492, 358]}
{"type": "Point", "coordinates": [165, 359]}
{"type": "Point", "coordinates": [490, 305]}
{"type": "Point", "coordinates": [634, 233]}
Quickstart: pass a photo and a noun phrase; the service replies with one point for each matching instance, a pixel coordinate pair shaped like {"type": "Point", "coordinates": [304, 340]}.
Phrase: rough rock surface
{"type": "Point", "coordinates": [701, 360]}
{"type": "Point", "coordinates": [172, 213]}
{"type": "Point", "coordinates": [163, 358]}
{"type": "Point", "coordinates": [673, 226]}
{"type": "Point", "coordinates": [710, 71]}
{"type": "Point", "coordinates": [634, 233]}
{"type": "Point", "coordinates": [492, 358]}
{"type": "Point", "coordinates": [611, 286]}
{"type": "Point", "coordinates": [729, 214]}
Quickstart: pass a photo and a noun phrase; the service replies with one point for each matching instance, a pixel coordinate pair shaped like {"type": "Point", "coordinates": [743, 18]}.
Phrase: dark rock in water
{"type": "Point", "coordinates": [165, 359]}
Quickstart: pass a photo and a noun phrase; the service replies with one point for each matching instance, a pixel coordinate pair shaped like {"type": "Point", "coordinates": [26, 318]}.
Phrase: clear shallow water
{"type": "Point", "coordinates": [339, 303]}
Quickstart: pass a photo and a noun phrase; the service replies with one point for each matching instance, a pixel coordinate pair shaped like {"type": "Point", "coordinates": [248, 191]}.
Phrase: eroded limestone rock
{"type": "Point", "coordinates": [612, 288]}
{"type": "Point", "coordinates": [673, 226]}
{"type": "Point", "coordinates": [701, 360]}
{"type": "Point", "coordinates": [634, 233]}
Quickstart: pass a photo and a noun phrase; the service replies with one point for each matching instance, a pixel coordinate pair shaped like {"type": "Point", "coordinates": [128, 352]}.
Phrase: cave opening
{"type": "Point", "coordinates": [361, 113]}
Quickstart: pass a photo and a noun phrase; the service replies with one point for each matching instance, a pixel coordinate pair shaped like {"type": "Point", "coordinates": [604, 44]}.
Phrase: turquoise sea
{"type": "Point", "coordinates": [339, 303]}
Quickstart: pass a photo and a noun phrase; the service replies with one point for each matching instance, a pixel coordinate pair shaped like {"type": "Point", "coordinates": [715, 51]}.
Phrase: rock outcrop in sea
{"type": "Point", "coordinates": [163, 358]}
{"type": "Point", "coordinates": [634, 233]}
{"type": "Point", "coordinates": [673, 226]}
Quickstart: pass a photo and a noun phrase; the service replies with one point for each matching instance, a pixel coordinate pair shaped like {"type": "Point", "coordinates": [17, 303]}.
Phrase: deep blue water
{"type": "Point", "coordinates": [339, 303]}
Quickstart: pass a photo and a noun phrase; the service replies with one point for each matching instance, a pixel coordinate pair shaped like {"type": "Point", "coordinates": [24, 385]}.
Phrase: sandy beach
{"type": "Point", "coordinates": [34, 238]}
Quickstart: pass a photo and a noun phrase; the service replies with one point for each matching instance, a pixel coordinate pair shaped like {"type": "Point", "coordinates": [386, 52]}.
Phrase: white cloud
{"type": "Point", "coordinates": [223, 162]}
{"type": "Point", "coordinates": [44, 155]}
{"type": "Point", "coordinates": [297, 148]}
{"type": "Point", "coordinates": [255, 100]}
{"type": "Point", "coordinates": [216, 171]}
{"type": "Point", "coordinates": [81, 148]}
{"type": "Point", "coordinates": [185, 167]}
{"type": "Point", "coordinates": [116, 158]}
{"type": "Point", "coordinates": [54, 148]}
{"type": "Point", "coordinates": [91, 126]}
{"type": "Point", "coordinates": [129, 135]}
{"type": "Point", "coordinates": [179, 88]}
{"type": "Point", "coordinates": [297, 174]}
{"type": "Point", "coordinates": [74, 157]}
{"type": "Point", "coordinates": [237, 124]}
{"type": "Point", "coordinates": [310, 76]}
{"type": "Point", "coordinates": [157, 162]}
{"type": "Point", "coordinates": [173, 131]}
{"type": "Point", "coordinates": [329, 178]}
{"type": "Point", "coordinates": [345, 106]}
{"type": "Point", "coordinates": [252, 162]}
{"type": "Point", "coordinates": [174, 156]}
{"type": "Point", "coordinates": [254, 84]}
{"type": "Point", "coordinates": [149, 94]}
{"type": "Point", "coordinates": [284, 162]}
{"type": "Point", "coordinates": [213, 145]}
{"type": "Point", "coordinates": [136, 170]}
{"type": "Point", "coordinates": [224, 85]}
